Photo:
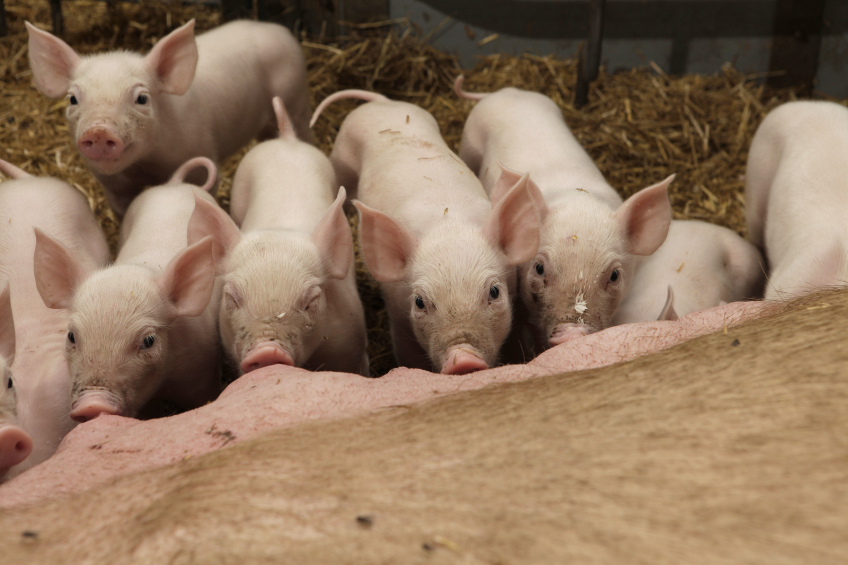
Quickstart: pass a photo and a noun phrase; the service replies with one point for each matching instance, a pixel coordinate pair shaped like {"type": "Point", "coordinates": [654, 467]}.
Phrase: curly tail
{"type": "Point", "coordinates": [12, 171]}
{"type": "Point", "coordinates": [211, 171]}
{"type": "Point", "coordinates": [457, 87]}
{"type": "Point", "coordinates": [341, 95]}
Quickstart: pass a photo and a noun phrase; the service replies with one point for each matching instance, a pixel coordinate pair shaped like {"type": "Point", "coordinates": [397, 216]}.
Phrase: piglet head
{"type": "Point", "coordinates": [113, 97]}
{"type": "Point", "coordinates": [586, 261]}
{"type": "Point", "coordinates": [457, 279]}
{"type": "Point", "coordinates": [274, 303]}
{"type": "Point", "coordinates": [15, 443]}
{"type": "Point", "coordinates": [117, 338]}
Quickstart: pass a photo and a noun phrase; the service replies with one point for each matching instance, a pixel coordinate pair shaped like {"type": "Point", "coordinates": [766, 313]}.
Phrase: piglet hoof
{"type": "Point", "coordinates": [462, 361]}
{"type": "Point", "coordinates": [567, 332]}
{"type": "Point", "coordinates": [265, 354]}
{"type": "Point", "coordinates": [15, 446]}
{"type": "Point", "coordinates": [90, 408]}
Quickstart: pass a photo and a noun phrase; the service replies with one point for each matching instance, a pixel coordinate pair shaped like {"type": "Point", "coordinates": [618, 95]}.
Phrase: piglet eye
{"type": "Point", "coordinates": [614, 276]}
{"type": "Point", "coordinates": [73, 100]}
{"type": "Point", "coordinates": [494, 292]}
{"type": "Point", "coordinates": [148, 342]}
{"type": "Point", "coordinates": [71, 337]}
{"type": "Point", "coordinates": [419, 302]}
{"type": "Point", "coordinates": [142, 99]}
{"type": "Point", "coordinates": [540, 269]}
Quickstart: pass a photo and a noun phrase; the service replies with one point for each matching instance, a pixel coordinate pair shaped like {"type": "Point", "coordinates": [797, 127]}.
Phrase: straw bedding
{"type": "Point", "coordinates": [639, 126]}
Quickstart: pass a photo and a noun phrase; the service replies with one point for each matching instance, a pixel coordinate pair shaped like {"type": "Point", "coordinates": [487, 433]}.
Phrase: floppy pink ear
{"type": "Point", "coordinates": [174, 60]}
{"type": "Point", "coordinates": [52, 62]}
{"type": "Point", "coordinates": [386, 245]}
{"type": "Point", "coordinates": [7, 326]}
{"type": "Point", "coordinates": [333, 238]}
{"type": "Point", "coordinates": [189, 279]}
{"type": "Point", "coordinates": [208, 219]}
{"type": "Point", "coordinates": [515, 224]}
{"type": "Point", "coordinates": [510, 178]}
{"type": "Point", "coordinates": [57, 272]}
{"type": "Point", "coordinates": [645, 217]}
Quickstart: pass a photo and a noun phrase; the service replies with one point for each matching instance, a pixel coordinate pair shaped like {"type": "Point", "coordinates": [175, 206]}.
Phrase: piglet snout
{"type": "Point", "coordinates": [100, 143]}
{"type": "Point", "coordinates": [15, 446]}
{"type": "Point", "coordinates": [463, 360]}
{"type": "Point", "coordinates": [265, 354]}
{"type": "Point", "coordinates": [567, 332]}
{"type": "Point", "coordinates": [91, 406]}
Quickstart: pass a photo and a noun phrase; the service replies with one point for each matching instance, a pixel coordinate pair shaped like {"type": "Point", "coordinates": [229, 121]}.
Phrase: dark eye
{"type": "Point", "coordinates": [614, 276]}
{"type": "Point", "coordinates": [73, 100]}
{"type": "Point", "coordinates": [148, 342]}
{"type": "Point", "coordinates": [494, 292]}
{"type": "Point", "coordinates": [71, 337]}
{"type": "Point", "coordinates": [10, 385]}
{"type": "Point", "coordinates": [142, 99]}
{"type": "Point", "coordinates": [540, 269]}
{"type": "Point", "coordinates": [419, 302]}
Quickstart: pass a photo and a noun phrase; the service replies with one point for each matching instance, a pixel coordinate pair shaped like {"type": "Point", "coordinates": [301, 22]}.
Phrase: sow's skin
{"type": "Point", "coordinates": [700, 265]}
{"type": "Point", "coordinates": [144, 327]}
{"type": "Point", "coordinates": [444, 254]}
{"type": "Point", "coordinates": [796, 196]}
{"type": "Point", "coordinates": [289, 291]}
{"type": "Point", "coordinates": [726, 449]}
{"type": "Point", "coordinates": [589, 238]}
{"type": "Point", "coordinates": [136, 119]}
{"type": "Point", "coordinates": [41, 378]}
{"type": "Point", "coordinates": [15, 443]}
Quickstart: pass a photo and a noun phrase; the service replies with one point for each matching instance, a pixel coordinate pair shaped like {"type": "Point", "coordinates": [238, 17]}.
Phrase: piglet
{"type": "Point", "coordinates": [589, 238]}
{"type": "Point", "coordinates": [796, 196]}
{"type": "Point", "coordinates": [144, 327]}
{"type": "Point", "coordinates": [136, 119]}
{"type": "Point", "coordinates": [289, 292]}
{"type": "Point", "coordinates": [444, 255]}
{"type": "Point", "coordinates": [705, 265]}
{"type": "Point", "coordinates": [39, 392]}
{"type": "Point", "coordinates": [15, 443]}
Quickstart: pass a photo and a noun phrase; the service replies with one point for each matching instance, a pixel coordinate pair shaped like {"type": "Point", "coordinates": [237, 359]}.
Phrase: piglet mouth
{"type": "Point", "coordinates": [265, 354]}
{"type": "Point", "coordinates": [567, 332]}
{"type": "Point", "coordinates": [91, 404]}
{"type": "Point", "coordinates": [463, 359]}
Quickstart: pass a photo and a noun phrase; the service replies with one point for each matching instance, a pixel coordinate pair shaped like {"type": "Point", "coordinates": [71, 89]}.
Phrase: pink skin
{"type": "Point", "coordinates": [40, 371]}
{"type": "Point", "coordinates": [15, 446]}
{"type": "Point", "coordinates": [136, 118]}
{"type": "Point", "coordinates": [796, 198]}
{"type": "Point", "coordinates": [276, 396]}
{"type": "Point", "coordinates": [443, 253]}
{"type": "Point", "coordinates": [92, 404]}
{"type": "Point", "coordinates": [265, 354]}
{"type": "Point", "coordinates": [462, 360]}
{"type": "Point", "coordinates": [589, 237]}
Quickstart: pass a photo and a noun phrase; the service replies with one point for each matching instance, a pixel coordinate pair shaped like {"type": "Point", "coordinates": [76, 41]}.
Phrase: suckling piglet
{"type": "Point", "coordinates": [41, 378]}
{"type": "Point", "coordinates": [135, 119]}
{"type": "Point", "coordinates": [289, 292]}
{"type": "Point", "coordinates": [15, 443]}
{"type": "Point", "coordinates": [444, 255]}
{"type": "Point", "coordinates": [704, 264]}
{"type": "Point", "coordinates": [796, 196]}
{"type": "Point", "coordinates": [145, 326]}
{"type": "Point", "coordinates": [589, 238]}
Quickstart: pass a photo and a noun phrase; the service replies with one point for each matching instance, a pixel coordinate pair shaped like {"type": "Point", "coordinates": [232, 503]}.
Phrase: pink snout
{"type": "Point", "coordinates": [567, 332]}
{"type": "Point", "coordinates": [265, 354]}
{"type": "Point", "coordinates": [15, 446]}
{"type": "Point", "coordinates": [91, 405]}
{"type": "Point", "coordinates": [100, 143]}
{"type": "Point", "coordinates": [463, 360]}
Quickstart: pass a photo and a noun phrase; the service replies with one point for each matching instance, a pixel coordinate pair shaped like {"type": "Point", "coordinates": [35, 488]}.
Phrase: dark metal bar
{"type": "Point", "coordinates": [796, 43]}
{"type": "Point", "coordinates": [591, 57]}
{"type": "Point", "coordinates": [3, 29]}
{"type": "Point", "coordinates": [58, 20]}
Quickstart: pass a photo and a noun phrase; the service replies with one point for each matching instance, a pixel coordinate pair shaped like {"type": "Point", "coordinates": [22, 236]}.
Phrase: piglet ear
{"type": "Point", "coordinates": [515, 223]}
{"type": "Point", "coordinates": [189, 279]}
{"type": "Point", "coordinates": [173, 60]}
{"type": "Point", "coordinates": [644, 218]}
{"type": "Point", "coordinates": [668, 314]}
{"type": "Point", "coordinates": [510, 178]}
{"type": "Point", "coordinates": [333, 239]}
{"type": "Point", "coordinates": [57, 272]}
{"type": "Point", "coordinates": [208, 219]}
{"type": "Point", "coordinates": [52, 62]}
{"type": "Point", "coordinates": [7, 326]}
{"type": "Point", "coordinates": [386, 245]}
